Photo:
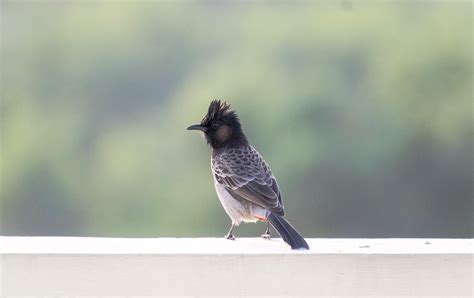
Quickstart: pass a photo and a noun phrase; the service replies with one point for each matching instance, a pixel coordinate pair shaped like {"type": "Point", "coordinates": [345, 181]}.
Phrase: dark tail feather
{"type": "Point", "coordinates": [287, 232]}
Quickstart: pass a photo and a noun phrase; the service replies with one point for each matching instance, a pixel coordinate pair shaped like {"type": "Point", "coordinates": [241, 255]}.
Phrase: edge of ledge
{"type": "Point", "coordinates": [218, 246]}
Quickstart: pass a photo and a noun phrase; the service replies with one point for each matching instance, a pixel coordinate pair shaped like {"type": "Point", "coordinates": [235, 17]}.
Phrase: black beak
{"type": "Point", "coordinates": [197, 127]}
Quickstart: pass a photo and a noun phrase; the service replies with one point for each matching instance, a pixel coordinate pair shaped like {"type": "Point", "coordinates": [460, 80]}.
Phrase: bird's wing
{"type": "Point", "coordinates": [246, 176]}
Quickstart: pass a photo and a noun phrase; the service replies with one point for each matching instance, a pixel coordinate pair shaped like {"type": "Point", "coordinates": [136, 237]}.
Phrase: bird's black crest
{"type": "Point", "coordinates": [219, 110]}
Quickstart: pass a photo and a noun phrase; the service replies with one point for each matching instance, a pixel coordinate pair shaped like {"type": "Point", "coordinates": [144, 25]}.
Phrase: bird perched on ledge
{"type": "Point", "coordinates": [243, 180]}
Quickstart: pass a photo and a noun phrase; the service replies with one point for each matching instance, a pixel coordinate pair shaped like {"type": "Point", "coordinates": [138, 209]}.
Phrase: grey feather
{"type": "Point", "coordinates": [247, 177]}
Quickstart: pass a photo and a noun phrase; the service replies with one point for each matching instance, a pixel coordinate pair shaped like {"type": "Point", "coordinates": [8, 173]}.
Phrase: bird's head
{"type": "Point", "coordinates": [221, 126]}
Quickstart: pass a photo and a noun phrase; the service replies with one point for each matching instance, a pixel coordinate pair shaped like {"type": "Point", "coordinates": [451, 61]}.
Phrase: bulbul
{"type": "Point", "coordinates": [243, 180]}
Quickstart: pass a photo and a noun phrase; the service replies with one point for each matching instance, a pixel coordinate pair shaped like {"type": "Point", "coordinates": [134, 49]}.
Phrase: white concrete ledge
{"type": "Point", "coordinates": [68, 266]}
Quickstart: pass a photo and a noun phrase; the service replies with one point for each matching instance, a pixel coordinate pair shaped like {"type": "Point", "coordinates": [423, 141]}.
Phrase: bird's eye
{"type": "Point", "coordinates": [215, 125]}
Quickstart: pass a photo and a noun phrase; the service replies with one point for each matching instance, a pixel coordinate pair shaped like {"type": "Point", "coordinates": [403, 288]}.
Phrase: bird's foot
{"type": "Point", "coordinates": [230, 237]}
{"type": "Point", "coordinates": [266, 236]}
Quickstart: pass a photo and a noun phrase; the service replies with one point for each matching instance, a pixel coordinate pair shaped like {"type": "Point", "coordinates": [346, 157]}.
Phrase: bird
{"type": "Point", "coordinates": [244, 182]}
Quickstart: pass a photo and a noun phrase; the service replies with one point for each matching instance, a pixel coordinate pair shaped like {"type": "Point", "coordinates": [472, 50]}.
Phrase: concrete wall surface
{"type": "Point", "coordinates": [247, 267]}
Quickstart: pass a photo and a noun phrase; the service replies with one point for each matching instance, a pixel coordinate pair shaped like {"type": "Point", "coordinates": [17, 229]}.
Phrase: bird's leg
{"type": "Point", "coordinates": [266, 235]}
{"type": "Point", "coordinates": [229, 235]}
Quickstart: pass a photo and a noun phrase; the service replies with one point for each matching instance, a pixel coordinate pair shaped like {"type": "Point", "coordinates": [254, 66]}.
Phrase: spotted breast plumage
{"type": "Point", "coordinates": [248, 179]}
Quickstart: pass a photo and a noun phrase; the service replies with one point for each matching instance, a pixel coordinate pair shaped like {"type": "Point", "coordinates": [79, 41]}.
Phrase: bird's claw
{"type": "Point", "coordinates": [266, 236]}
{"type": "Point", "coordinates": [230, 237]}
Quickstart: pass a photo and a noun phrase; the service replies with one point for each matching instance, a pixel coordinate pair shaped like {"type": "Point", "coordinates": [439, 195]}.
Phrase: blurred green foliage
{"type": "Point", "coordinates": [363, 110]}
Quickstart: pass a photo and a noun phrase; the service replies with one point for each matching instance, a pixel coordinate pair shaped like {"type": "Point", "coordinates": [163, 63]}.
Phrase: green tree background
{"type": "Point", "coordinates": [363, 110]}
